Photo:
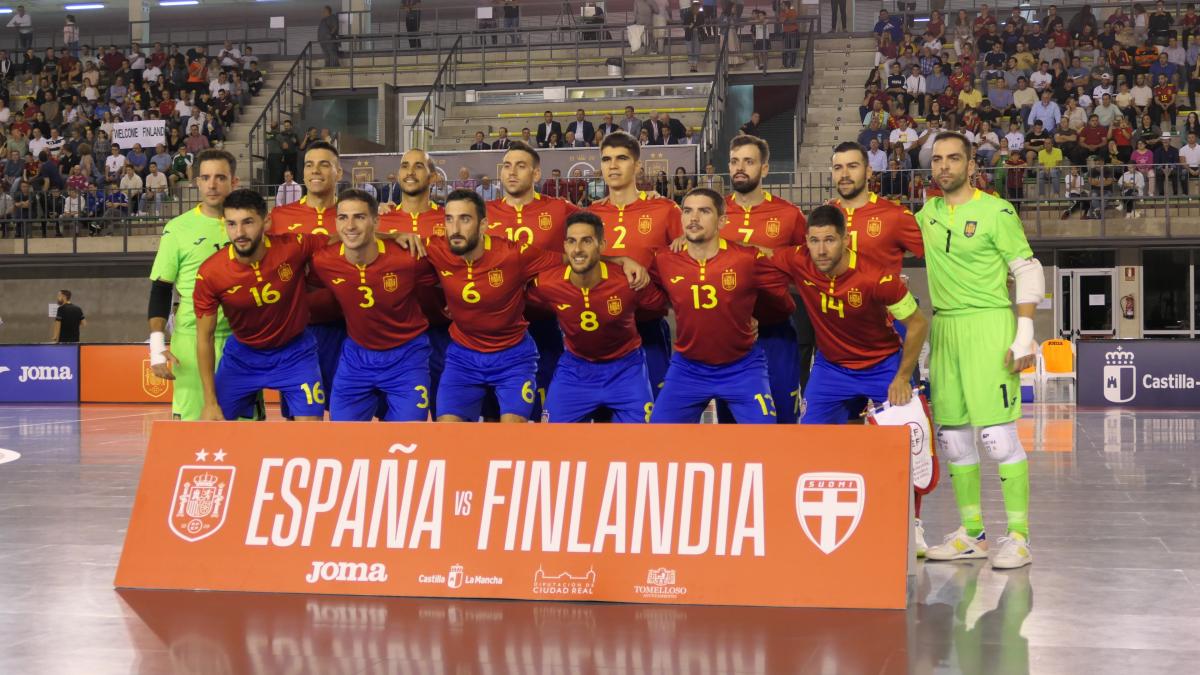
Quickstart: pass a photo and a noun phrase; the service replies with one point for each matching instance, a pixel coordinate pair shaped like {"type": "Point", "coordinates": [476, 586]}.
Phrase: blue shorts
{"type": "Point", "coordinates": [580, 387]}
{"type": "Point", "coordinates": [330, 337]}
{"type": "Point", "coordinates": [439, 341]}
{"type": "Point", "coordinates": [470, 374]}
{"type": "Point", "coordinates": [293, 369]}
{"type": "Point", "coordinates": [778, 342]}
{"type": "Point", "coordinates": [549, 340]}
{"type": "Point", "coordinates": [690, 385]}
{"type": "Point", "coordinates": [656, 344]}
{"type": "Point", "coordinates": [836, 394]}
{"type": "Point", "coordinates": [400, 375]}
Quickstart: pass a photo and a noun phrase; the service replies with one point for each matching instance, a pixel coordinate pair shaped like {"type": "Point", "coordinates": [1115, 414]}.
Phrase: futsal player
{"type": "Point", "coordinates": [637, 225]}
{"type": "Point", "coordinates": [880, 230]}
{"type": "Point", "coordinates": [187, 241]}
{"type": "Point", "coordinates": [713, 286]}
{"type": "Point", "coordinates": [376, 283]}
{"type": "Point", "coordinates": [973, 241]}
{"type": "Point", "coordinates": [603, 366]}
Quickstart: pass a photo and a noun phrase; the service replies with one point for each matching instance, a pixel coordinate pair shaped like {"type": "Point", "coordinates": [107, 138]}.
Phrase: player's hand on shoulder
{"type": "Point", "coordinates": [409, 241]}
{"type": "Point", "coordinates": [638, 276]}
{"type": "Point", "coordinates": [678, 244]}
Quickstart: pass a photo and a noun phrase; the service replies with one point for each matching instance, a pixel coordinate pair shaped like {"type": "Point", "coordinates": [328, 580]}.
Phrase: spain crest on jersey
{"type": "Point", "coordinates": [614, 305]}
{"type": "Point", "coordinates": [729, 280]}
{"type": "Point", "coordinates": [496, 278]}
{"type": "Point", "coordinates": [198, 507]}
{"type": "Point", "coordinates": [285, 272]}
{"type": "Point", "coordinates": [645, 224]}
{"type": "Point", "coordinates": [854, 297]}
{"type": "Point", "coordinates": [774, 227]}
{"type": "Point", "coordinates": [439, 230]}
{"type": "Point", "coordinates": [969, 229]}
{"type": "Point", "coordinates": [874, 227]}
{"type": "Point", "coordinates": [153, 385]}
{"type": "Point", "coordinates": [545, 222]}
{"type": "Point", "coordinates": [390, 282]}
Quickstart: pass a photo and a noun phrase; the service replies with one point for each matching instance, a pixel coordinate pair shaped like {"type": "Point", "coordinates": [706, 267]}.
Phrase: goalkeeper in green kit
{"type": "Point", "coordinates": [973, 241]}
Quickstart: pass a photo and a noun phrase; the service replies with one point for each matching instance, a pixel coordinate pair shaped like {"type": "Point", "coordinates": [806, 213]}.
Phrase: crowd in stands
{"type": "Point", "coordinates": [1086, 108]}
{"type": "Point", "coordinates": [58, 110]}
{"type": "Point", "coordinates": [657, 129]}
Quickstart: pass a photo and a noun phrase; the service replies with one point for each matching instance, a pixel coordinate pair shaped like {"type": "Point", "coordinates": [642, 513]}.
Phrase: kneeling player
{"type": "Point", "coordinates": [376, 283]}
{"type": "Point", "coordinates": [258, 281]}
{"type": "Point", "coordinates": [603, 366]}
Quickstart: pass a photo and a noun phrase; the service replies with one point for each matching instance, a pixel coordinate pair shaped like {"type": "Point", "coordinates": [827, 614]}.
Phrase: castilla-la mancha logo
{"type": "Point", "coordinates": [829, 505]}
{"type": "Point", "coordinates": [201, 496]}
{"type": "Point", "coordinates": [1120, 376]}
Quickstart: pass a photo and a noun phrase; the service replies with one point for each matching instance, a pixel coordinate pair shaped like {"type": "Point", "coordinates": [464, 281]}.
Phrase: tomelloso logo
{"type": "Point", "coordinates": [1120, 376]}
{"type": "Point", "coordinates": [829, 506]}
{"type": "Point", "coordinates": [661, 584]}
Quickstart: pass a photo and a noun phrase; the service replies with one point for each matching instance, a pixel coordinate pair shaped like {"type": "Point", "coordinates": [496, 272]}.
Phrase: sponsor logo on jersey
{"type": "Point", "coordinates": [874, 227]}
{"type": "Point", "coordinates": [969, 228]}
{"type": "Point", "coordinates": [545, 222]}
{"type": "Point", "coordinates": [496, 277]}
{"type": "Point", "coordinates": [198, 506]}
{"type": "Point", "coordinates": [1120, 376]}
{"type": "Point", "coordinates": [153, 385]}
{"type": "Point", "coordinates": [285, 272]}
{"type": "Point", "coordinates": [614, 305]}
{"type": "Point", "coordinates": [563, 307]}
{"type": "Point", "coordinates": [854, 297]}
{"type": "Point", "coordinates": [338, 280]}
{"type": "Point", "coordinates": [564, 583]}
{"type": "Point", "coordinates": [773, 227]}
{"type": "Point", "coordinates": [390, 282]}
{"type": "Point", "coordinates": [447, 273]}
{"type": "Point", "coordinates": [233, 290]}
{"type": "Point", "coordinates": [293, 226]}
{"type": "Point", "coordinates": [829, 506]}
{"type": "Point", "coordinates": [729, 280]}
{"type": "Point", "coordinates": [197, 242]}
{"type": "Point", "coordinates": [676, 280]}
{"type": "Point", "coordinates": [645, 224]}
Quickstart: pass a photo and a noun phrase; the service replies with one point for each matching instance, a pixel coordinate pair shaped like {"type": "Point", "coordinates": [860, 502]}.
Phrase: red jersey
{"type": "Point", "coordinates": [379, 299]}
{"type": "Point", "coordinates": [881, 231]}
{"type": "Point", "coordinates": [431, 223]}
{"type": "Point", "coordinates": [850, 312]}
{"type": "Point", "coordinates": [264, 302]}
{"type": "Point", "coordinates": [304, 219]}
{"type": "Point", "coordinates": [1165, 95]}
{"type": "Point", "coordinates": [772, 224]}
{"type": "Point", "coordinates": [541, 223]}
{"type": "Point", "coordinates": [487, 297]}
{"type": "Point", "coordinates": [714, 300]}
{"type": "Point", "coordinates": [598, 323]}
{"type": "Point", "coordinates": [639, 229]}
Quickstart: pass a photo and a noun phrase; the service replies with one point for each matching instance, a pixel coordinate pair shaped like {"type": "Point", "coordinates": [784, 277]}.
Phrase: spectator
{"type": "Point", "coordinates": [156, 190]}
{"type": "Point", "coordinates": [465, 182]}
{"type": "Point", "coordinates": [526, 136]}
{"type": "Point", "coordinates": [546, 128]}
{"type": "Point", "coordinates": [640, 29]}
{"type": "Point", "coordinates": [1166, 159]}
{"type": "Point", "coordinates": [131, 184]}
{"type": "Point", "coordinates": [440, 189]}
{"type": "Point", "coordinates": [480, 143]}
{"type": "Point", "coordinates": [195, 142]}
{"type": "Point", "coordinates": [630, 124]}
{"type": "Point", "coordinates": [390, 194]}
{"type": "Point", "coordinates": [502, 141]}
{"type": "Point", "coordinates": [1045, 111]}
{"type": "Point", "coordinates": [24, 25]}
{"type": "Point", "coordinates": [488, 190]}
{"type": "Point", "coordinates": [114, 165]}
{"type": "Point", "coordinates": [607, 126]}
{"type": "Point", "coordinates": [1143, 162]}
{"type": "Point", "coordinates": [554, 186]}
{"type": "Point", "coordinates": [573, 141]}
{"type": "Point", "coordinates": [412, 22]}
{"type": "Point", "coordinates": [137, 159]}
{"type": "Point", "coordinates": [73, 208]}
{"type": "Point", "coordinates": [751, 128]}
{"type": "Point", "coordinates": [1132, 186]}
{"type": "Point", "coordinates": [693, 19]}
{"type": "Point", "coordinates": [653, 128]}
{"type": "Point", "coordinates": [1163, 109]}
{"type": "Point", "coordinates": [582, 128]}
{"type": "Point", "coordinates": [761, 34]}
{"type": "Point", "coordinates": [555, 140]}
{"type": "Point", "coordinates": [891, 25]}
{"type": "Point", "coordinates": [711, 180]}
{"type": "Point", "coordinates": [327, 33]}
{"type": "Point", "coordinates": [681, 185]}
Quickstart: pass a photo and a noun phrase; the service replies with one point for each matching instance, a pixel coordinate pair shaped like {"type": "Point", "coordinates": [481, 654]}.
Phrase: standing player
{"type": "Point", "coordinates": [418, 214]}
{"type": "Point", "coordinates": [315, 214]}
{"type": "Point", "coordinates": [187, 241]}
{"type": "Point", "coordinates": [636, 226]}
{"type": "Point", "coordinates": [755, 217]}
{"type": "Point", "coordinates": [881, 231]}
{"type": "Point", "coordinates": [713, 286]}
{"type": "Point", "coordinates": [523, 216]}
{"type": "Point", "coordinates": [260, 285]}
{"type": "Point", "coordinates": [376, 283]}
{"type": "Point", "coordinates": [603, 366]}
{"type": "Point", "coordinates": [972, 242]}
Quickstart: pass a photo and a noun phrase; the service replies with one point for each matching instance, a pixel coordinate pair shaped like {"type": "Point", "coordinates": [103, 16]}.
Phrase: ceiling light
{"type": "Point", "coordinates": [178, 3]}
{"type": "Point", "coordinates": [76, 8]}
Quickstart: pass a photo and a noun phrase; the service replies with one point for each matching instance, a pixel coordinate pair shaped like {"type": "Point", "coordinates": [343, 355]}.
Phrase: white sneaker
{"type": "Point", "coordinates": [1014, 553]}
{"type": "Point", "coordinates": [959, 546]}
{"type": "Point", "coordinates": [919, 539]}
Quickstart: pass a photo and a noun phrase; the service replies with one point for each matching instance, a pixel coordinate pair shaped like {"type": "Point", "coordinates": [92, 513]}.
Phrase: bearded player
{"type": "Point", "coordinates": [187, 241]}
{"type": "Point", "coordinates": [376, 283]}
{"type": "Point", "coordinates": [524, 216]}
{"type": "Point", "coordinates": [603, 366]}
{"type": "Point", "coordinates": [714, 286]}
{"type": "Point", "coordinates": [637, 225]}
{"type": "Point", "coordinates": [973, 241]}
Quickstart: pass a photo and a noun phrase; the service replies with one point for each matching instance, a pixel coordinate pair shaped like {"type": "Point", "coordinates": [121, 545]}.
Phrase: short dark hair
{"type": "Point", "coordinates": [245, 198]}
{"type": "Point", "coordinates": [954, 135]}
{"type": "Point", "coordinates": [827, 215]}
{"type": "Point", "coordinates": [212, 154]}
{"type": "Point", "coordinates": [851, 146]}
{"type": "Point", "coordinates": [526, 148]}
{"type": "Point", "coordinates": [465, 195]}
{"type": "Point", "coordinates": [357, 195]}
{"type": "Point", "coordinates": [322, 145]}
{"type": "Point", "coordinates": [621, 139]}
{"type": "Point", "coordinates": [587, 218]}
{"type": "Point", "coordinates": [65, 293]}
{"type": "Point", "coordinates": [715, 196]}
{"type": "Point", "coordinates": [764, 148]}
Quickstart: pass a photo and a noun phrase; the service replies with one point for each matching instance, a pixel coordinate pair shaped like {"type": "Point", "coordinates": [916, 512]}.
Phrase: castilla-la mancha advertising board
{"type": "Point", "coordinates": [701, 514]}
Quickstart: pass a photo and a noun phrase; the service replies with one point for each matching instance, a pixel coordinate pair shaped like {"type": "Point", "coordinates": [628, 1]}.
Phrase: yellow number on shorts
{"type": "Point", "coordinates": [368, 297]}
{"type": "Point", "coordinates": [829, 304]}
{"type": "Point", "coordinates": [796, 401]}
{"type": "Point", "coordinates": [424, 404]}
{"type": "Point", "coordinates": [313, 392]}
{"type": "Point", "coordinates": [469, 293]}
{"type": "Point", "coordinates": [267, 296]}
{"type": "Point", "coordinates": [648, 408]}
{"type": "Point", "coordinates": [588, 321]}
{"type": "Point", "coordinates": [527, 392]}
{"type": "Point", "coordinates": [746, 234]}
{"type": "Point", "coordinates": [542, 396]}
{"type": "Point", "coordinates": [710, 296]}
{"type": "Point", "coordinates": [621, 232]}
{"type": "Point", "coordinates": [520, 235]}
{"type": "Point", "coordinates": [766, 403]}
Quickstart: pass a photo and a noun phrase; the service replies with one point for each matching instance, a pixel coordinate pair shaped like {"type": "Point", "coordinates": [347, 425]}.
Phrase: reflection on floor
{"type": "Point", "coordinates": [1115, 542]}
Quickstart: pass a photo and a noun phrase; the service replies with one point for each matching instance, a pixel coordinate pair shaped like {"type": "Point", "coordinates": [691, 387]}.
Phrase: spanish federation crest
{"type": "Point", "coordinates": [644, 224]}
{"type": "Point", "coordinates": [545, 222]}
{"type": "Point", "coordinates": [854, 297]}
{"type": "Point", "coordinates": [614, 305]}
{"type": "Point", "coordinates": [729, 280]}
{"type": "Point", "coordinates": [829, 506]}
{"type": "Point", "coordinates": [874, 227]}
{"type": "Point", "coordinates": [153, 385]}
{"type": "Point", "coordinates": [390, 282]}
{"type": "Point", "coordinates": [198, 506]}
{"type": "Point", "coordinates": [773, 227]}
{"type": "Point", "coordinates": [496, 277]}
{"type": "Point", "coordinates": [439, 230]}
{"type": "Point", "coordinates": [285, 272]}
{"type": "Point", "coordinates": [969, 229]}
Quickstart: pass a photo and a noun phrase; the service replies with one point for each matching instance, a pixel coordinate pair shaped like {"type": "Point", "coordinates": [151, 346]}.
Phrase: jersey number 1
{"type": "Point", "coordinates": [948, 234]}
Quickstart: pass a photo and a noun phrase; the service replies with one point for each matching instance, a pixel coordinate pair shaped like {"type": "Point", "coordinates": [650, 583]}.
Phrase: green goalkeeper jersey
{"type": "Point", "coordinates": [967, 252]}
{"type": "Point", "coordinates": [187, 241]}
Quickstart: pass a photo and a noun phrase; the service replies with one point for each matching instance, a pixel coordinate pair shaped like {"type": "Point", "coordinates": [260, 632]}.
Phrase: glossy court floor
{"type": "Point", "coordinates": [1115, 587]}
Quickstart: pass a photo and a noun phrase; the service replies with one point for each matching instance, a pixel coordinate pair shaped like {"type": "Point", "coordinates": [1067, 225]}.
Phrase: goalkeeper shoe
{"type": "Point", "coordinates": [958, 545]}
{"type": "Point", "coordinates": [919, 539]}
{"type": "Point", "coordinates": [1013, 553]}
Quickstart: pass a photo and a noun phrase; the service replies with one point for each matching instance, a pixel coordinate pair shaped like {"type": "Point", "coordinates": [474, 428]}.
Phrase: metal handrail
{"type": "Point", "coordinates": [714, 113]}
{"type": "Point", "coordinates": [297, 80]}
{"type": "Point", "coordinates": [429, 116]}
{"type": "Point", "coordinates": [804, 91]}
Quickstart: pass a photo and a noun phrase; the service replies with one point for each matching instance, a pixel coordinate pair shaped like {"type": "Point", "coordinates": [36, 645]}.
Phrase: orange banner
{"type": "Point", "coordinates": [119, 374]}
{"type": "Point", "coordinates": [770, 515]}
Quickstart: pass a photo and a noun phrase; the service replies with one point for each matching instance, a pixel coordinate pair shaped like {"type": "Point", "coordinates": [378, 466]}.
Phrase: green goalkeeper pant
{"type": "Point", "coordinates": [188, 401]}
{"type": "Point", "coordinates": [969, 383]}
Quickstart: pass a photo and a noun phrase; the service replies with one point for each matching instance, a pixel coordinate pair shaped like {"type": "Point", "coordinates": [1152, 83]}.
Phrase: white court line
{"type": "Point", "coordinates": [85, 419]}
{"type": "Point", "coordinates": [7, 456]}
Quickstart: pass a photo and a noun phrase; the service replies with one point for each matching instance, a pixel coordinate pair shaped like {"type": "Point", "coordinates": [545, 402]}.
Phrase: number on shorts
{"type": "Point", "coordinates": [424, 391]}
{"type": "Point", "coordinates": [766, 403]}
{"type": "Point", "coordinates": [1004, 394]}
{"type": "Point", "coordinates": [527, 392]}
{"type": "Point", "coordinates": [648, 409]}
{"type": "Point", "coordinates": [313, 393]}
